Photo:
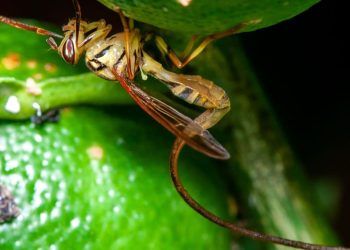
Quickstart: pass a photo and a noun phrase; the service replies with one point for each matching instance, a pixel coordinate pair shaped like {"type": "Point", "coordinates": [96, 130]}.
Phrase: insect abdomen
{"type": "Point", "coordinates": [190, 88]}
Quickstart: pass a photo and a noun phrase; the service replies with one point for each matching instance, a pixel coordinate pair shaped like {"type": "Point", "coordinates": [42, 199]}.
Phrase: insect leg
{"type": "Point", "coordinates": [77, 19]}
{"type": "Point", "coordinates": [101, 31]}
{"type": "Point", "coordinates": [212, 116]}
{"type": "Point", "coordinates": [189, 56]}
{"type": "Point", "coordinates": [23, 26]}
{"type": "Point", "coordinates": [189, 47]}
{"type": "Point", "coordinates": [52, 43]}
{"type": "Point", "coordinates": [127, 42]}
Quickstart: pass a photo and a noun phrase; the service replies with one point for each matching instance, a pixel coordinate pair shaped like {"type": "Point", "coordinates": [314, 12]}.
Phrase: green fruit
{"type": "Point", "coordinates": [208, 16]}
{"type": "Point", "coordinates": [99, 180]}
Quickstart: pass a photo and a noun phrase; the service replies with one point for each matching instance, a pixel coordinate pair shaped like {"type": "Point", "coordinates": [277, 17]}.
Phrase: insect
{"type": "Point", "coordinates": [119, 57]}
{"type": "Point", "coordinates": [49, 116]}
{"type": "Point", "coordinates": [40, 118]}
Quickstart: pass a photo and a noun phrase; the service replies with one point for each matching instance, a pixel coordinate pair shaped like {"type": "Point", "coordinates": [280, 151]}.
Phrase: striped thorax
{"type": "Point", "coordinates": [109, 54]}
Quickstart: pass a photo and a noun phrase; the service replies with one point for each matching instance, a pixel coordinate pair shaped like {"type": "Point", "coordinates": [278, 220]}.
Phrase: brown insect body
{"type": "Point", "coordinates": [108, 56]}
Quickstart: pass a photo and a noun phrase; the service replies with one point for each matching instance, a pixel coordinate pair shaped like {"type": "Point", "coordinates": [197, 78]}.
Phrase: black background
{"type": "Point", "coordinates": [303, 67]}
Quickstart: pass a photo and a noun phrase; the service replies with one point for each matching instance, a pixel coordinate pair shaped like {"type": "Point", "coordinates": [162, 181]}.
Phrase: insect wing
{"type": "Point", "coordinates": [176, 122]}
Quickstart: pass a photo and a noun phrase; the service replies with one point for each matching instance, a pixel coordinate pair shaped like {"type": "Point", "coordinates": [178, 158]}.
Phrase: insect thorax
{"type": "Point", "coordinates": [110, 53]}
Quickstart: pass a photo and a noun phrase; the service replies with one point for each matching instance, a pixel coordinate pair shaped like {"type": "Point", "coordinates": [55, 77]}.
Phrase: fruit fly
{"type": "Point", "coordinates": [119, 57]}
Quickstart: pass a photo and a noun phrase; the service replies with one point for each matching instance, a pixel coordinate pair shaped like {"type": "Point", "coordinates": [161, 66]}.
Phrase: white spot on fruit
{"type": "Point", "coordinates": [184, 3]}
{"type": "Point", "coordinates": [75, 223]}
{"type": "Point", "coordinates": [111, 193]}
{"type": "Point", "coordinates": [32, 87]}
{"type": "Point", "coordinates": [101, 199]}
{"type": "Point", "coordinates": [53, 247]}
{"type": "Point", "coordinates": [88, 218]}
{"type": "Point", "coordinates": [55, 213]}
{"type": "Point", "coordinates": [30, 171]}
{"type": "Point", "coordinates": [47, 155]}
{"type": "Point", "coordinates": [11, 164]}
{"type": "Point", "coordinates": [12, 105]}
{"type": "Point", "coordinates": [132, 177]}
{"type": "Point", "coordinates": [38, 138]}
{"type": "Point", "coordinates": [116, 209]}
{"type": "Point", "coordinates": [43, 218]}
{"type": "Point", "coordinates": [27, 147]}
{"type": "Point", "coordinates": [2, 144]}
{"type": "Point", "coordinates": [58, 158]}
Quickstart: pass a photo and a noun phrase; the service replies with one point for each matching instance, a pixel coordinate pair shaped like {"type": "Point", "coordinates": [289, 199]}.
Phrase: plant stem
{"type": "Point", "coordinates": [59, 92]}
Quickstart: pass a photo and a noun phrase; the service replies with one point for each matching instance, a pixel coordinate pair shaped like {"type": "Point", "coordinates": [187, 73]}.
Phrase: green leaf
{"type": "Point", "coordinates": [208, 16]}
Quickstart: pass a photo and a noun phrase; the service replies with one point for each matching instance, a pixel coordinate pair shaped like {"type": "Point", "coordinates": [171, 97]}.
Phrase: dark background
{"type": "Point", "coordinates": [304, 71]}
{"type": "Point", "coordinates": [303, 68]}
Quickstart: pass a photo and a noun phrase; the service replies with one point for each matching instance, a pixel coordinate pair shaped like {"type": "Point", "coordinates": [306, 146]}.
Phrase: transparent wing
{"type": "Point", "coordinates": [176, 122]}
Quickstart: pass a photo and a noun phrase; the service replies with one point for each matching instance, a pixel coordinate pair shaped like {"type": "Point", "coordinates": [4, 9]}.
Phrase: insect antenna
{"type": "Point", "coordinates": [23, 26]}
{"type": "Point", "coordinates": [178, 145]}
{"type": "Point", "coordinates": [77, 19]}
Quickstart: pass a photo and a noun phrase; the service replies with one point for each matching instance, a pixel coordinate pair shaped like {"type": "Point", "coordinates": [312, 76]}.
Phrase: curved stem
{"type": "Point", "coordinates": [178, 145]}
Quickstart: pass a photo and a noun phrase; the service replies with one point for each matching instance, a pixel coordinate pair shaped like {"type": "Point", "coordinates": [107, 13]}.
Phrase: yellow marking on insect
{"type": "Point", "coordinates": [143, 74]}
{"type": "Point", "coordinates": [184, 3]}
{"type": "Point", "coordinates": [178, 89]}
{"type": "Point", "coordinates": [50, 67]}
{"type": "Point", "coordinates": [201, 100]}
{"type": "Point", "coordinates": [32, 87]}
{"type": "Point", "coordinates": [192, 97]}
{"type": "Point", "coordinates": [95, 152]}
{"type": "Point", "coordinates": [11, 61]}
{"type": "Point", "coordinates": [37, 76]}
{"type": "Point", "coordinates": [32, 64]}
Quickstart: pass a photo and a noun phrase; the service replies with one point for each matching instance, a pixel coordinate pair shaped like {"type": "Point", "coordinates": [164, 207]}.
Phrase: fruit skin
{"type": "Point", "coordinates": [202, 17]}
{"type": "Point", "coordinates": [99, 180]}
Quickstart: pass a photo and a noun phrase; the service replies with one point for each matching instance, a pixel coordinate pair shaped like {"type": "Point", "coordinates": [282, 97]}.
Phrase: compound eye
{"type": "Point", "coordinates": [68, 51]}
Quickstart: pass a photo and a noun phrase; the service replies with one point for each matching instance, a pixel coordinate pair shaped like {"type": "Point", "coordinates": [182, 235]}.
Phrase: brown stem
{"type": "Point", "coordinates": [178, 145]}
